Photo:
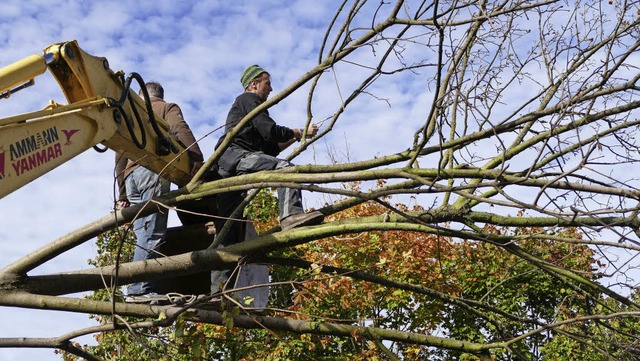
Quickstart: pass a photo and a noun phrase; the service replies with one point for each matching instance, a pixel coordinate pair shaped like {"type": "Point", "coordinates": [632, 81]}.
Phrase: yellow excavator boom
{"type": "Point", "coordinates": [101, 109]}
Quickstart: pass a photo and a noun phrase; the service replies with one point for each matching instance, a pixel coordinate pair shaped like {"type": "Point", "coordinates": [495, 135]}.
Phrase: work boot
{"type": "Point", "coordinates": [151, 298]}
{"type": "Point", "coordinates": [302, 219]}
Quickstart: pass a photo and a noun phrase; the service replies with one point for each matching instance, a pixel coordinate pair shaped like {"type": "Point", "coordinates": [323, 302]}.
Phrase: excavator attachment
{"type": "Point", "coordinates": [101, 109]}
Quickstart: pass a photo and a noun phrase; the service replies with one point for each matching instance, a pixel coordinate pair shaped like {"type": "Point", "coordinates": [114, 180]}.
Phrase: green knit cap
{"type": "Point", "coordinates": [251, 73]}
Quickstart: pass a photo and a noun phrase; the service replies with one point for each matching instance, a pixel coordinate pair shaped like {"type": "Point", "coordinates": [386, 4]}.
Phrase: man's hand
{"type": "Point", "coordinates": [297, 134]}
{"type": "Point", "coordinates": [194, 169]}
{"type": "Point", "coordinates": [312, 131]}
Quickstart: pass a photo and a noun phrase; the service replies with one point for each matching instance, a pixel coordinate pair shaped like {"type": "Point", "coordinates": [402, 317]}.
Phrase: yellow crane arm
{"type": "Point", "coordinates": [101, 109]}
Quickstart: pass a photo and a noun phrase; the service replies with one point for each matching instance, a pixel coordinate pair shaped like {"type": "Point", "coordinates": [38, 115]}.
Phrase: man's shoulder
{"type": "Point", "coordinates": [248, 97]}
{"type": "Point", "coordinates": [158, 102]}
{"type": "Point", "coordinates": [163, 107]}
{"type": "Point", "coordinates": [246, 102]}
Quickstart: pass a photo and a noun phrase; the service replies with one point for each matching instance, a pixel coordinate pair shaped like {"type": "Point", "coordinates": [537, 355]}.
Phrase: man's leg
{"type": "Point", "coordinates": [142, 185]}
{"type": "Point", "coordinates": [289, 199]}
{"type": "Point", "coordinates": [226, 204]}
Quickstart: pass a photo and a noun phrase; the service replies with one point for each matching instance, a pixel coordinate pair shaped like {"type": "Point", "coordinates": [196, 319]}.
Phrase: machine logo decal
{"type": "Point", "coordinates": [35, 150]}
{"type": "Point", "coordinates": [69, 134]}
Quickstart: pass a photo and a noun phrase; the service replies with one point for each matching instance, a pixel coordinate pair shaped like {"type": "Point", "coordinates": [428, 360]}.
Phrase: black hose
{"type": "Point", "coordinates": [120, 112]}
{"type": "Point", "coordinates": [100, 150]}
{"type": "Point", "coordinates": [129, 122]}
{"type": "Point", "coordinates": [164, 146]}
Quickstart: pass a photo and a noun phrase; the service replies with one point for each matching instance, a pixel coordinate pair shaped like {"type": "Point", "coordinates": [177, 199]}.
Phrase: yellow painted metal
{"type": "Point", "coordinates": [30, 149]}
{"type": "Point", "coordinates": [52, 109]}
{"type": "Point", "coordinates": [21, 71]}
{"type": "Point", "coordinates": [34, 143]}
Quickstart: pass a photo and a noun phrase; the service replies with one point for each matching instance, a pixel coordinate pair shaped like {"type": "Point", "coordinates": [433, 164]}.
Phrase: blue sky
{"type": "Point", "coordinates": [197, 50]}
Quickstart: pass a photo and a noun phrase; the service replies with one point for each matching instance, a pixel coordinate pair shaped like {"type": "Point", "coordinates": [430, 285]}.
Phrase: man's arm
{"type": "Point", "coordinates": [121, 165]}
{"type": "Point", "coordinates": [180, 129]}
{"type": "Point", "coordinates": [297, 136]}
{"type": "Point", "coordinates": [263, 123]}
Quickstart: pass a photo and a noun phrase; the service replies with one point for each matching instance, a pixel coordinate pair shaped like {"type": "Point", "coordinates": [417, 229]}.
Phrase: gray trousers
{"type": "Point", "coordinates": [289, 199]}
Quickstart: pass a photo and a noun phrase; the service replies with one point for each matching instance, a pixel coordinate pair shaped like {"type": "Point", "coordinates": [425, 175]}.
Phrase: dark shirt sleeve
{"type": "Point", "coordinates": [269, 130]}
{"type": "Point", "coordinates": [261, 133]}
{"type": "Point", "coordinates": [263, 124]}
{"type": "Point", "coordinates": [272, 149]}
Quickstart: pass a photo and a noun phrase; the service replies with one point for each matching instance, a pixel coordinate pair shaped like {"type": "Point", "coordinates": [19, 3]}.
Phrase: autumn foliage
{"type": "Point", "coordinates": [414, 282]}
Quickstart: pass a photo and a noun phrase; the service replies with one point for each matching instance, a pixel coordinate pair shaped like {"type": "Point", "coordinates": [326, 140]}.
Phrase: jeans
{"type": "Point", "coordinates": [142, 185]}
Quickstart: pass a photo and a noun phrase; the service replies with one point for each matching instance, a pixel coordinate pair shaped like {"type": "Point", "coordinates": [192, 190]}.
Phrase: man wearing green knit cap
{"type": "Point", "coordinates": [249, 74]}
{"type": "Point", "coordinates": [254, 149]}
{"type": "Point", "coordinates": [256, 146]}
